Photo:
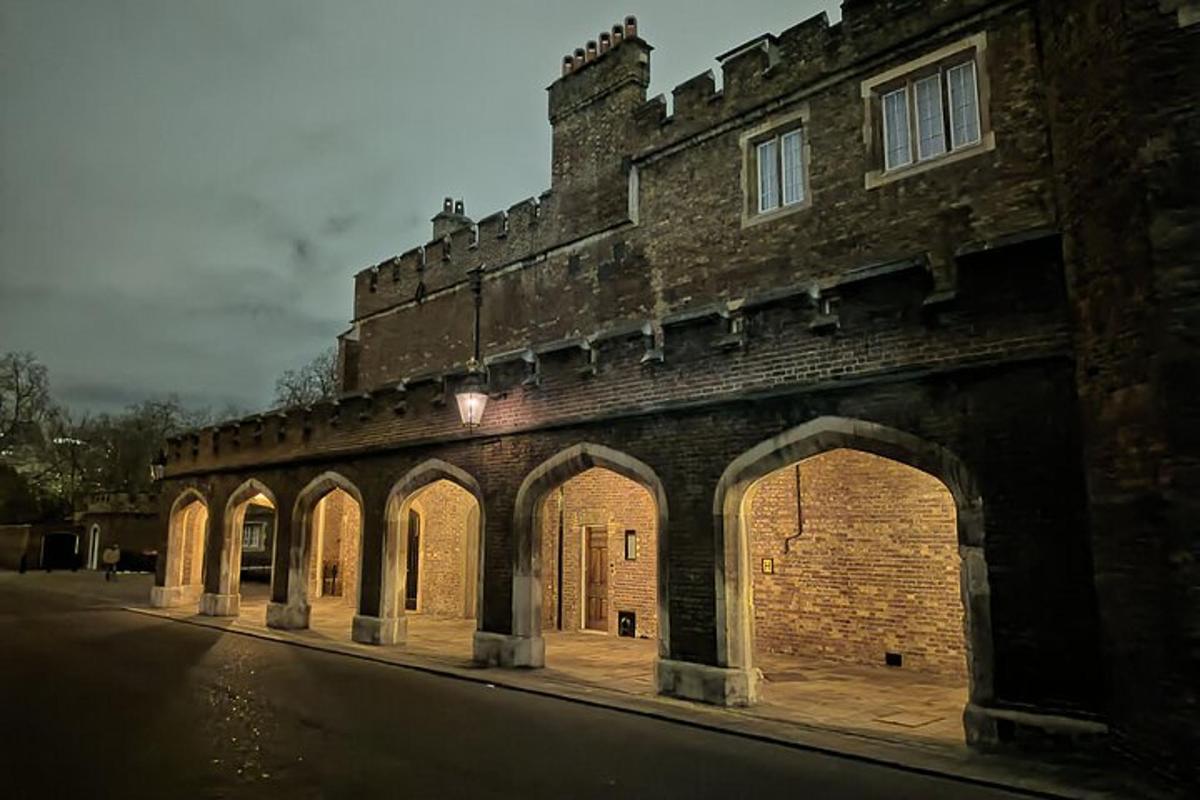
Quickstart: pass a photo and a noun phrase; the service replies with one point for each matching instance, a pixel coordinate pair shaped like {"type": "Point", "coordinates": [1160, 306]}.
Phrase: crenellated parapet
{"type": "Point", "coordinates": [830, 329]}
{"type": "Point", "coordinates": [603, 122]}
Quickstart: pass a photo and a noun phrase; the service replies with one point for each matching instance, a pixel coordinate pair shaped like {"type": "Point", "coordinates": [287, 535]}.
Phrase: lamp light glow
{"type": "Point", "coordinates": [472, 398]}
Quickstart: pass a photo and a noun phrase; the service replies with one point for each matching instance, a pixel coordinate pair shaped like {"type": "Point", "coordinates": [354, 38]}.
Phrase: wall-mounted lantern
{"type": "Point", "coordinates": [472, 393]}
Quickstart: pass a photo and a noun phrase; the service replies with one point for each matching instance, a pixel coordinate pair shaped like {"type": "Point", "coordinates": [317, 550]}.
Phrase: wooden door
{"type": "Point", "coordinates": [414, 560]}
{"type": "Point", "coordinates": [596, 618]}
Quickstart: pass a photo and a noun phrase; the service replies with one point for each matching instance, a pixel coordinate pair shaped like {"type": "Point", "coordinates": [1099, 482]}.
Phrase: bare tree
{"type": "Point", "coordinates": [312, 383]}
{"type": "Point", "coordinates": [25, 403]}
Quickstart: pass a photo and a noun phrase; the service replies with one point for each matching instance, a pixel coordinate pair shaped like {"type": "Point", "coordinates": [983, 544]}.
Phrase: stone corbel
{"type": "Point", "coordinates": [827, 318]}
{"type": "Point", "coordinates": [533, 369]}
{"type": "Point", "coordinates": [400, 403]}
{"type": "Point", "coordinates": [734, 337]}
{"type": "Point", "coordinates": [652, 344]}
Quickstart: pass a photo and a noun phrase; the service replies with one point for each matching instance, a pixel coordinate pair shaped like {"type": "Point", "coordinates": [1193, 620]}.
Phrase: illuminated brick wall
{"type": "Point", "coordinates": [338, 521]}
{"type": "Point", "coordinates": [445, 510]}
{"type": "Point", "coordinates": [192, 528]}
{"type": "Point", "coordinates": [876, 568]}
{"type": "Point", "coordinates": [601, 499]}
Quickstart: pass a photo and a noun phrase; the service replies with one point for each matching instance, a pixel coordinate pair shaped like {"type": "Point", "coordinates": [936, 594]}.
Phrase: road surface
{"type": "Point", "coordinates": [100, 702]}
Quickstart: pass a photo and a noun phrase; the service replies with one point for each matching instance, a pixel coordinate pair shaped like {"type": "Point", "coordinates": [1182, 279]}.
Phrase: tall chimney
{"type": "Point", "coordinates": [631, 31]}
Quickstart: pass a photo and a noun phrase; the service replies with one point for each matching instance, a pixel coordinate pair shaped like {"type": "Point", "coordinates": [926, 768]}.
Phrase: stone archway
{"type": "Point", "coordinates": [227, 600]}
{"type": "Point", "coordinates": [295, 612]}
{"type": "Point", "coordinates": [525, 647]}
{"type": "Point", "coordinates": [187, 538]}
{"type": "Point", "coordinates": [733, 586]}
{"type": "Point", "coordinates": [389, 627]}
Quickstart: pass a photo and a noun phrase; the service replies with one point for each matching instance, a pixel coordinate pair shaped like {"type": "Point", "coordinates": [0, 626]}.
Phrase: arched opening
{"type": "Point", "coordinates": [599, 533]}
{"type": "Point", "coordinates": [856, 609]}
{"type": "Point", "coordinates": [247, 555]}
{"type": "Point", "coordinates": [333, 557]}
{"type": "Point", "coordinates": [93, 551]}
{"type": "Point", "coordinates": [853, 582]}
{"type": "Point", "coordinates": [187, 537]}
{"type": "Point", "coordinates": [433, 554]}
{"type": "Point", "coordinates": [589, 584]}
{"type": "Point", "coordinates": [325, 560]}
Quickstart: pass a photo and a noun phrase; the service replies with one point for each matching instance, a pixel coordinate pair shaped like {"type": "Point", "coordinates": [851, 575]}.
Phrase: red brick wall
{"type": "Point", "coordinates": [601, 499]}
{"type": "Point", "coordinates": [445, 510]}
{"type": "Point", "coordinates": [876, 568]}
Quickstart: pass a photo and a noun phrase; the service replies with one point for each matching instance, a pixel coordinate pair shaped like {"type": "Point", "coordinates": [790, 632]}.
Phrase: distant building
{"type": "Point", "coordinates": [882, 352]}
{"type": "Point", "coordinates": [128, 519]}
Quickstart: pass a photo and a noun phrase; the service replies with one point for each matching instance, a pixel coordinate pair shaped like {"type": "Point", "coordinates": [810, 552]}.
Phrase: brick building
{"type": "Point", "coordinates": [877, 353]}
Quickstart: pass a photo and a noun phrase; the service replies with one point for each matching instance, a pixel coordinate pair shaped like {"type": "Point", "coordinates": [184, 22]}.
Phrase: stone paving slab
{"type": "Point", "coordinates": [1035, 777]}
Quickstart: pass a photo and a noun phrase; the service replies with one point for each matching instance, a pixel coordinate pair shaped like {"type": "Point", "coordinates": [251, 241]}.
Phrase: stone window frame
{"type": "Point", "coordinates": [774, 128]}
{"type": "Point", "coordinates": [247, 545]}
{"type": "Point", "coordinates": [972, 48]}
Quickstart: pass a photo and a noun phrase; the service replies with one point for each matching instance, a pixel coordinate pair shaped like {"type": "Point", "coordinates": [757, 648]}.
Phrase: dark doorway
{"type": "Point", "coordinates": [597, 580]}
{"type": "Point", "coordinates": [414, 560]}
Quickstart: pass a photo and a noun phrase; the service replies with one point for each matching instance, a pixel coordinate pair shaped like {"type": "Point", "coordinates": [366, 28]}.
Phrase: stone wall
{"type": "Point", "coordinates": [874, 570]}
{"type": "Point", "coordinates": [1124, 109]}
{"type": "Point", "coordinates": [600, 500]}
{"type": "Point", "coordinates": [445, 510]}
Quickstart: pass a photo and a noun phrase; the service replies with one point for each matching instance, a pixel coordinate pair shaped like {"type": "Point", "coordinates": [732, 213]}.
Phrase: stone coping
{"type": "Point", "coordinates": [1009, 771]}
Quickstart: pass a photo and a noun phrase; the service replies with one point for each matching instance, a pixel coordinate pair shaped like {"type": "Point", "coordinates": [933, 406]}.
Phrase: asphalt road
{"type": "Point", "coordinates": [98, 702]}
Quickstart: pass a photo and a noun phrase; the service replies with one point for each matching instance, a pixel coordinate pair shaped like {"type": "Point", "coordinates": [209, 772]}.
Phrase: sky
{"type": "Point", "coordinates": [187, 187]}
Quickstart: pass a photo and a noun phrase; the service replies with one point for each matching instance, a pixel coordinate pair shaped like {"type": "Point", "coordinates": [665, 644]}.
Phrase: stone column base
{"type": "Point", "coordinates": [220, 605]}
{"type": "Point", "coordinates": [990, 727]}
{"type": "Point", "coordinates": [173, 596]}
{"type": "Point", "coordinates": [376, 630]}
{"type": "Point", "coordinates": [720, 686]}
{"type": "Point", "coordinates": [287, 617]}
{"type": "Point", "coordinates": [503, 650]}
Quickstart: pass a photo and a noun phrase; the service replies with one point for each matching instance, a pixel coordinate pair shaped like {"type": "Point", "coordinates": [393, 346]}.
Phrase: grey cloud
{"type": "Point", "coordinates": [189, 187]}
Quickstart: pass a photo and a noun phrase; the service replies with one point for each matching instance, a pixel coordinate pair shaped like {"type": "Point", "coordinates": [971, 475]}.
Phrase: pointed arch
{"type": "Point", "coordinates": [732, 573]}
{"type": "Point", "coordinates": [302, 528]}
{"type": "Point", "coordinates": [527, 589]}
{"type": "Point", "coordinates": [188, 523]}
{"type": "Point", "coordinates": [231, 535]}
{"type": "Point", "coordinates": [395, 543]}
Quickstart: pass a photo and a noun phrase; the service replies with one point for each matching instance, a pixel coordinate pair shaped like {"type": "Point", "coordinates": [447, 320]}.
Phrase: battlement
{"type": "Point", "coordinates": [603, 122]}
{"type": "Point", "coordinates": [121, 503]}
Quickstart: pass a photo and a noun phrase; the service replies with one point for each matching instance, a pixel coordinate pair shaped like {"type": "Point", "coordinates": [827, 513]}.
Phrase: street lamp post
{"type": "Point", "coordinates": [472, 394]}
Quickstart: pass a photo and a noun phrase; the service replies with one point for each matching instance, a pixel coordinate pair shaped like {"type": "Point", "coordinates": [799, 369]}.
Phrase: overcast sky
{"type": "Point", "coordinates": [188, 186]}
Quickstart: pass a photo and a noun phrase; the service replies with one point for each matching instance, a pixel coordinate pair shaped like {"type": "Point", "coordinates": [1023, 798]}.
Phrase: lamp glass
{"type": "Point", "coordinates": [471, 402]}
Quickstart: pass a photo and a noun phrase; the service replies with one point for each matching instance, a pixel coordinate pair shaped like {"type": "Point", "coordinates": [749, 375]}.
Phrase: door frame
{"type": "Point", "coordinates": [583, 577]}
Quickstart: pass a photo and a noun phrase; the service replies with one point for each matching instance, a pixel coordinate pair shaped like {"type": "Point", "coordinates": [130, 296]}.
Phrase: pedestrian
{"type": "Point", "coordinates": [112, 554]}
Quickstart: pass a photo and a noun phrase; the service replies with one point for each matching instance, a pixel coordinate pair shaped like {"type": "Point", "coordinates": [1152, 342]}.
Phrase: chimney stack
{"type": "Point", "coordinates": [451, 218]}
{"type": "Point", "coordinates": [601, 46]}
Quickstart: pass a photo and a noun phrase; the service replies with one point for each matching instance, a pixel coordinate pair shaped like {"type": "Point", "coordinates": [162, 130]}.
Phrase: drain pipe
{"type": "Point", "coordinates": [787, 543]}
{"type": "Point", "coordinates": [559, 587]}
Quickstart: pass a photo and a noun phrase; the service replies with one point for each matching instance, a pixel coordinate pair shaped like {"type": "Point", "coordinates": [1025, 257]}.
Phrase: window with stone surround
{"type": "Point", "coordinates": [927, 112]}
{"type": "Point", "coordinates": [254, 536]}
{"type": "Point", "coordinates": [775, 168]}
